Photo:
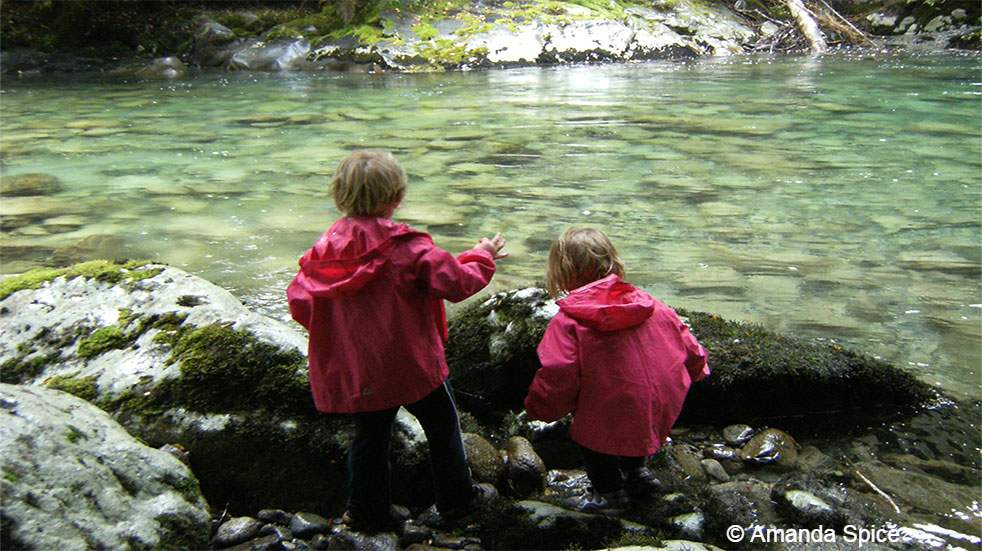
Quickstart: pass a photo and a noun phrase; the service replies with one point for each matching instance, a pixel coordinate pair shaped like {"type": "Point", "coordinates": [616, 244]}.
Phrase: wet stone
{"type": "Point", "coordinates": [690, 525]}
{"type": "Point", "coordinates": [305, 525]}
{"type": "Point", "coordinates": [485, 462]}
{"type": "Point", "coordinates": [737, 435]}
{"type": "Point", "coordinates": [236, 530]}
{"type": "Point", "coordinates": [772, 446]}
{"type": "Point", "coordinates": [453, 542]}
{"type": "Point", "coordinates": [20, 185]}
{"type": "Point", "coordinates": [526, 471]}
{"type": "Point", "coordinates": [715, 470]}
{"type": "Point", "coordinates": [809, 509]}
{"type": "Point", "coordinates": [281, 532]}
{"type": "Point", "coordinates": [720, 452]}
{"type": "Point", "coordinates": [320, 541]}
{"type": "Point", "coordinates": [413, 533]}
{"type": "Point", "coordinates": [346, 539]}
{"type": "Point", "coordinates": [687, 459]}
{"type": "Point", "coordinates": [265, 543]}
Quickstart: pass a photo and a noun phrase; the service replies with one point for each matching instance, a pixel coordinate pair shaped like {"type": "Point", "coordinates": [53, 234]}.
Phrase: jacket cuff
{"type": "Point", "coordinates": [477, 255]}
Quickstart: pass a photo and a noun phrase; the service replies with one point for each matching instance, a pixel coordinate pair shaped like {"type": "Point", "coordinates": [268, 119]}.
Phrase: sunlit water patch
{"type": "Point", "coordinates": [836, 199]}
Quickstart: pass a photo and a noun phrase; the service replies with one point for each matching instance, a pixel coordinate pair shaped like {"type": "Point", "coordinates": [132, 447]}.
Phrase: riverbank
{"type": "Point", "coordinates": [214, 402]}
{"type": "Point", "coordinates": [163, 40]}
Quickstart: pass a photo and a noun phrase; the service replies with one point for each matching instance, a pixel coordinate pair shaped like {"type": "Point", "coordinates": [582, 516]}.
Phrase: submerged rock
{"type": "Point", "coordinates": [176, 359]}
{"type": "Point", "coordinates": [71, 475]}
{"type": "Point", "coordinates": [32, 184]}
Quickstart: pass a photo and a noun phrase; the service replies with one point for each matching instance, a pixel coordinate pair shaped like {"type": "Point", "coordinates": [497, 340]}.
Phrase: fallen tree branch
{"type": "Point", "coordinates": [807, 25]}
{"type": "Point", "coordinates": [879, 491]}
{"type": "Point", "coordinates": [854, 30]}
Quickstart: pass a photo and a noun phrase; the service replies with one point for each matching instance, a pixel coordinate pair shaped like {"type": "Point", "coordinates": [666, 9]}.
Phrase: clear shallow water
{"type": "Point", "coordinates": [835, 199]}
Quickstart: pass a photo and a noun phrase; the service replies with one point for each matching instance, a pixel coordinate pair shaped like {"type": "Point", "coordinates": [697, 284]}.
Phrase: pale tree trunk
{"type": "Point", "coordinates": [807, 25]}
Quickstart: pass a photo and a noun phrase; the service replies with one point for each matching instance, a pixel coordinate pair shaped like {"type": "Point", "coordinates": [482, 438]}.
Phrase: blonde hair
{"type": "Point", "coordinates": [578, 257]}
{"type": "Point", "coordinates": [367, 182]}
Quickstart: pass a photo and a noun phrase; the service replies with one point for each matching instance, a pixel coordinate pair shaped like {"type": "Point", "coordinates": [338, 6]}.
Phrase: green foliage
{"type": "Point", "coordinates": [100, 270]}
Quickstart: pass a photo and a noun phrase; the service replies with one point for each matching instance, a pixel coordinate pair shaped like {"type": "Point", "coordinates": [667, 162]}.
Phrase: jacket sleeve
{"type": "Point", "coordinates": [300, 301]}
{"type": "Point", "coordinates": [556, 386]}
{"type": "Point", "coordinates": [696, 357]}
{"type": "Point", "coordinates": [451, 278]}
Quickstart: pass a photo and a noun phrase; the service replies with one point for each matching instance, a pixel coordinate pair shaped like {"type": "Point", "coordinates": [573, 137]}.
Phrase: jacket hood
{"type": "Point", "coordinates": [349, 255]}
{"type": "Point", "coordinates": [608, 304]}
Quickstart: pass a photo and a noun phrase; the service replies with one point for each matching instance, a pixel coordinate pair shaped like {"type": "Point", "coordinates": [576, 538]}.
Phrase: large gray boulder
{"type": "Point", "coordinates": [757, 375]}
{"type": "Point", "coordinates": [496, 35]}
{"type": "Point", "coordinates": [73, 478]}
{"type": "Point", "coordinates": [176, 359]}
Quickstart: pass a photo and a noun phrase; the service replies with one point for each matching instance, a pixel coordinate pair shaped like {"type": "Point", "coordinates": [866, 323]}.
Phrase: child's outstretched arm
{"type": "Point", "coordinates": [556, 386]}
{"type": "Point", "coordinates": [697, 359]}
{"type": "Point", "coordinates": [456, 278]}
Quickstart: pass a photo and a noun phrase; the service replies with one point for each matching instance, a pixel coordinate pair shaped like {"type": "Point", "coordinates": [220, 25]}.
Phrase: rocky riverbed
{"type": "Point", "coordinates": [197, 408]}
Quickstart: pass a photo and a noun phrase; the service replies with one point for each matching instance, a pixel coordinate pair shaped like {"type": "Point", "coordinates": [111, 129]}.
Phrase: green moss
{"type": "Point", "coordinates": [101, 340]}
{"type": "Point", "coordinates": [21, 368]}
{"type": "Point", "coordinates": [74, 435]}
{"type": "Point", "coordinates": [758, 374]}
{"type": "Point", "coordinates": [425, 31]}
{"type": "Point", "coordinates": [100, 270]}
{"type": "Point", "coordinates": [444, 52]}
{"type": "Point", "coordinates": [634, 539]}
{"type": "Point", "coordinates": [308, 26]}
{"type": "Point", "coordinates": [226, 370]}
{"type": "Point", "coordinates": [125, 316]}
{"type": "Point", "coordinates": [83, 387]}
{"type": "Point", "coordinates": [183, 532]}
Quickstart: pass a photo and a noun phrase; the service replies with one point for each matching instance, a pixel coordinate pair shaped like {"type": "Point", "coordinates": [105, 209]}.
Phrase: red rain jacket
{"type": "Point", "coordinates": [370, 292]}
{"type": "Point", "coordinates": [621, 362]}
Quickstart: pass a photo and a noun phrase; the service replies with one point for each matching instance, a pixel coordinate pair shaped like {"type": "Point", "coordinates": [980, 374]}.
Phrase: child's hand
{"type": "Point", "coordinates": [493, 246]}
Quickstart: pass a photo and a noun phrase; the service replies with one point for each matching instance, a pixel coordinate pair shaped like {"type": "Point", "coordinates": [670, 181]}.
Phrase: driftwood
{"type": "Point", "coordinates": [807, 25]}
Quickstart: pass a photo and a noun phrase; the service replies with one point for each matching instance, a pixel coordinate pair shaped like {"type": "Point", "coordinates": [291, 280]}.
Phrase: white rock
{"type": "Point", "coordinates": [74, 478]}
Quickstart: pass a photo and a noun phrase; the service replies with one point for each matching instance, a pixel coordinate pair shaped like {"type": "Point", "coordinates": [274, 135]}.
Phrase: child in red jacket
{"type": "Point", "coordinates": [615, 357]}
{"type": "Point", "coordinates": [370, 293]}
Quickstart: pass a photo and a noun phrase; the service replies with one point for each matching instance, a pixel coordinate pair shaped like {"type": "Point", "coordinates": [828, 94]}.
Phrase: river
{"type": "Point", "coordinates": [833, 198]}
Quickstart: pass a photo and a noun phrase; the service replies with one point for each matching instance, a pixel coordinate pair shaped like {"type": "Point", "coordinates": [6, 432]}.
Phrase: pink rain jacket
{"type": "Point", "coordinates": [370, 292]}
{"type": "Point", "coordinates": [622, 362]}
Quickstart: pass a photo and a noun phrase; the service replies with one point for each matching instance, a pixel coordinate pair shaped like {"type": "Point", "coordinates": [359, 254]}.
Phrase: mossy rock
{"type": "Point", "coordinates": [759, 377]}
{"type": "Point", "coordinates": [491, 351]}
{"type": "Point", "coordinates": [178, 360]}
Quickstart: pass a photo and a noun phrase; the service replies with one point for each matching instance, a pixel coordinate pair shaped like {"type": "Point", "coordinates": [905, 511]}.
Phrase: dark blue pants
{"type": "Point", "coordinates": [604, 471]}
{"type": "Point", "coordinates": [368, 457]}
